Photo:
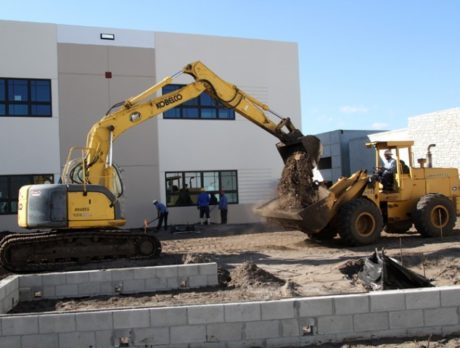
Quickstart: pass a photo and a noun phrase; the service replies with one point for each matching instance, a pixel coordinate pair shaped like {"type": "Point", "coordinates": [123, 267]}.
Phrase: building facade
{"type": "Point", "coordinates": [56, 81]}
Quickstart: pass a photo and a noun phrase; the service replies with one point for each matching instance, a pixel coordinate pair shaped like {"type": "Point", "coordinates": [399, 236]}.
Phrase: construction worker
{"type": "Point", "coordinates": [223, 207]}
{"type": "Point", "coordinates": [162, 214]}
{"type": "Point", "coordinates": [387, 172]}
{"type": "Point", "coordinates": [203, 206]}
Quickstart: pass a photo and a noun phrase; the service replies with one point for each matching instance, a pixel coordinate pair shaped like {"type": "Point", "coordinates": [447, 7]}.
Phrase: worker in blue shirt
{"type": "Point", "coordinates": [203, 206]}
{"type": "Point", "coordinates": [223, 207]}
{"type": "Point", "coordinates": [162, 214]}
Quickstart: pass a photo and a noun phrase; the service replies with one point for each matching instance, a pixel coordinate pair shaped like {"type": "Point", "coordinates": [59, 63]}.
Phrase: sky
{"type": "Point", "coordinates": [363, 64]}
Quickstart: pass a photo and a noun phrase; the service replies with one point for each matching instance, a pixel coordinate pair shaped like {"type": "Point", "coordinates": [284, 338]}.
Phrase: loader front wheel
{"type": "Point", "coordinates": [360, 222]}
{"type": "Point", "coordinates": [435, 215]}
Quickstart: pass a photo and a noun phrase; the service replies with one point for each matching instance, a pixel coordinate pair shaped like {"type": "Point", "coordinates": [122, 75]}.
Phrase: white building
{"type": "Point", "coordinates": [58, 80]}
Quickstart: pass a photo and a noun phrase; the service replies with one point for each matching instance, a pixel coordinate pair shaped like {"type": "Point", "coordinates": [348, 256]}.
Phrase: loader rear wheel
{"type": "Point", "coordinates": [435, 215]}
{"type": "Point", "coordinates": [360, 222]}
{"type": "Point", "coordinates": [398, 227]}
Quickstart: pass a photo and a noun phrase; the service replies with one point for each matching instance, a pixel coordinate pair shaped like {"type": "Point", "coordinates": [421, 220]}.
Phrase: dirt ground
{"type": "Point", "coordinates": [265, 263]}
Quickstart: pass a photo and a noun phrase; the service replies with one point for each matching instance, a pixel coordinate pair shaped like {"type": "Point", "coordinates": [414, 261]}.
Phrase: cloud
{"type": "Point", "coordinates": [379, 125]}
{"type": "Point", "coordinates": [350, 109]}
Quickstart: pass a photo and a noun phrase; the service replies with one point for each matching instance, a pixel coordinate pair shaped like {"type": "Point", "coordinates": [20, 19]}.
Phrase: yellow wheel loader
{"type": "Point", "coordinates": [358, 208]}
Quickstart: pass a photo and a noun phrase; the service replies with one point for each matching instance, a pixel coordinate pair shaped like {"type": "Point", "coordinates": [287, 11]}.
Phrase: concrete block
{"type": "Point", "coordinates": [450, 297]}
{"type": "Point", "coordinates": [187, 270]}
{"type": "Point", "coordinates": [2, 290]}
{"type": "Point", "coordinates": [104, 339]}
{"type": "Point", "coordinates": [423, 298]}
{"type": "Point", "coordinates": [335, 324]}
{"type": "Point", "coordinates": [94, 321]}
{"type": "Point", "coordinates": [212, 280]}
{"type": "Point", "coordinates": [122, 274]}
{"type": "Point", "coordinates": [351, 304]}
{"type": "Point", "coordinates": [224, 332]}
{"type": "Point", "coordinates": [156, 284]}
{"type": "Point", "coordinates": [424, 331]}
{"type": "Point", "coordinates": [173, 283]}
{"type": "Point", "coordinates": [208, 268]}
{"type": "Point", "coordinates": [406, 319]}
{"type": "Point", "coordinates": [30, 280]}
{"type": "Point", "coordinates": [290, 327]}
{"type": "Point", "coordinates": [77, 277]}
{"type": "Point", "coordinates": [242, 312]}
{"type": "Point", "coordinates": [150, 337]}
{"type": "Point", "coordinates": [316, 306]}
{"type": "Point", "coordinates": [262, 329]}
{"type": "Point", "coordinates": [106, 288]}
{"type": "Point", "coordinates": [133, 318]}
{"type": "Point", "coordinates": [40, 341]}
{"type": "Point", "coordinates": [448, 330]}
{"type": "Point", "coordinates": [53, 279]}
{"type": "Point", "coordinates": [392, 301]}
{"type": "Point", "coordinates": [49, 292]}
{"type": "Point", "coordinates": [88, 289]}
{"type": "Point", "coordinates": [100, 276]}
{"type": "Point", "coordinates": [25, 294]}
{"type": "Point", "coordinates": [441, 316]}
{"type": "Point", "coordinates": [77, 339]}
{"type": "Point", "coordinates": [145, 273]}
{"type": "Point", "coordinates": [247, 344]}
{"type": "Point", "coordinates": [371, 321]}
{"type": "Point", "coordinates": [20, 325]}
{"type": "Point", "coordinates": [55, 323]}
{"type": "Point", "coordinates": [173, 316]}
{"type": "Point", "coordinates": [166, 271]}
{"type": "Point", "coordinates": [10, 341]}
{"type": "Point", "coordinates": [67, 290]}
{"type": "Point", "coordinates": [197, 281]}
{"type": "Point", "coordinates": [188, 334]}
{"type": "Point", "coordinates": [278, 310]}
{"type": "Point", "coordinates": [208, 345]}
{"type": "Point", "coordinates": [134, 286]}
{"type": "Point", "coordinates": [283, 342]}
{"type": "Point", "coordinates": [206, 314]}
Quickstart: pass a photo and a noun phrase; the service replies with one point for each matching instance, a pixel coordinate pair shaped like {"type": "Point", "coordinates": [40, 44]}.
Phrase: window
{"type": "Point", "coordinates": [183, 188]}
{"type": "Point", "coordinates": [203, 107]}
{"type": "Point", "coordinates": [325, 163]}
{"type": "Point", "coordinates": [25, 97]}
{"type": "Point", "coordinates": [9, 189]}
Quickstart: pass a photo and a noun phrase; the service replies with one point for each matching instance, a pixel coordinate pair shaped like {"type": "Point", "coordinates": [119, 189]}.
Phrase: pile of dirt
{"type": "Point", "coordinates": [194, 258]}
{"type": "Point", "coordinates": [248, 274]}
{"type": "Point", "coordinates": [296, 188]}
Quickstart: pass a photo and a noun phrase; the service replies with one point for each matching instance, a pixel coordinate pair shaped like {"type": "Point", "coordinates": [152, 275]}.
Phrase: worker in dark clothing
{"type": "Point", "coordinates": [184, 196]}
{"type": "Point", "coordinates": [223, 207]}
{"type": "Point", "coordinates": [203, 206]}
{"type": "Point", "coordinates": [162, 214]}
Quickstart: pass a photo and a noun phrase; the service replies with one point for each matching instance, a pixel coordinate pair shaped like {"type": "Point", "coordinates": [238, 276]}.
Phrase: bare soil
{"type": "Point", "coordinates": [260, 262]}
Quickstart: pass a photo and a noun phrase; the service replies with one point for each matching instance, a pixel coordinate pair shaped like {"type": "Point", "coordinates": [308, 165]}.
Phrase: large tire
{"type": "Point", "coordinates": [398, 227]}
{"type": "Point", "coordinates": [435, 215]}
{"type": "Point", "coordinates": [360, 222]}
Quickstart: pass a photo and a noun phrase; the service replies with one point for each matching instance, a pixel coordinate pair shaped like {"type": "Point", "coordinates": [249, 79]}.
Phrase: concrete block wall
{"type": "Point", "coordinates": [291, 322]}
{"type": "Point", "coordinates": [113, 281]}
{"type": "Point", "coordinates": [9, 293]}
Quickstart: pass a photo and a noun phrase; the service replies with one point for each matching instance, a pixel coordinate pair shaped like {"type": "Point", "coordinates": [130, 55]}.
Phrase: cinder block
{"type": "Point", "coordinates": [166, 271]}
{"type": "Point", "coordinates": [156, 284]}
{"type": "Point", "coordinates": [205, 345]}
{"type": "Point", "coordinates": [55, 323]}
{"type": "Point", "coordinates": [145, 273]}
{"type": "Point", "coordinates": [40, 341]}
{"type": "Point", "coordinates": [335, 324]}
{"type": "Point", "coordinates": [188, 334]}
{"type": "Point", "coordinates": [208, 268]}
{"type": "Point", "coordinates": [424, 331]}
{"type": "Point", "coordinates": [382, 301]}
{"type": "Point", "coordinates": [247, 344]}
{"type": "Point", "coordinates": [351, 304]}
{"type": "Point", "coordinates": [134, 285]}
{"type": "Point", "coordinates": [106, 288]}
{"type": "Point", "coordinates": [283, 342]}
{"type": "Point", "coordinates": [100, 276]}
{"type": "Point", "coordinates": [94, 321]}
{"type": "Point", "coordinates": [67, 290]}
{"type": "Point", "coordinates": [77, 339]}
{"type": "Point", "coordinates": [88, 289]}
{"type": "Point", "coordinates": [134, 318]}
{"type": "Point", "coordinates": [173, 283]}
{"type": "Point", "coordinates": [224, 332]}
{"type": "Point", "coordinates": [77, 277]}
{"type": "Point", "coordinates": [2, 290]}
{"type": "Point", "coordinates": [12, 286]}
{"type": "Point", "coordinates": [262, 329]}
{"type": "Point", "coordinates": [316, 306]}
{"type": "Point", "coordinates": [104, 338]}
{"type": "Point", "coordinates": [406, 319]}
{"type": "Point", "coordinates": [278, 310]}
{"type": "Point", "coordinates": [25, 294]}
{"type": "Point", "coordinates": [150, 337]}
{"type": "Point", "coordinates": [441, 317]}
{"type": "Point", "coordinates": [371, 321]}
{"type": "Point", "coordinates": [30, 280]}
{"type": "Point", "coordinates": [173, 316]}
{"type": "Point", "coordinates": [212, 280]}
{"type": "Point", "coordinates": [290, 327]}
{"type": "Point", "coordinates": [53, 279]}
{"type": "Point", "coordinates": [122, 274]}
{"type": "Point", "coordinates": [10, 341]}
{"type": "Point", "coordinates": [197, 281]}
{"type": "Point", "coordinates": [22, 325]}
{"type": "Point", "coordinates": [49, 292]}
{"type": "Point", "coordinates": [206, 314]}
{"type": "Point", "coordinates": [450, 297]}
{"type": "Point", "coordinates": [448, 330]}
{"type": "Point", "coordinates": [187, 270]}
{"type": "Point", "coordinates": [242, 312]}
{"type": "Point", "coordinates": [423, 298]}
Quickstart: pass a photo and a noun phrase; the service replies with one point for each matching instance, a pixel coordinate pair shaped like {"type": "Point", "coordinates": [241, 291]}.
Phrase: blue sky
{"type": "Point", "coordinates": [363, 64]}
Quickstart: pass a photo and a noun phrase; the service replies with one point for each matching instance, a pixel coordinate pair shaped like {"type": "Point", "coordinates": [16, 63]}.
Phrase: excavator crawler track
{"type": "Point", "coordinates": [52, 251]}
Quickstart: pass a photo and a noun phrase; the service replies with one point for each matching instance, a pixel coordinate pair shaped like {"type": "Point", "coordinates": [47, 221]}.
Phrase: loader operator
{"type": "Point", "coordinates": [387, 172]}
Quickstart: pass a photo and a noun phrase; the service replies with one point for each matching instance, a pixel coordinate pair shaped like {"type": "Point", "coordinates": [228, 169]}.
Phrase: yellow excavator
{"type": "Point", "coordinates": [82, 215]}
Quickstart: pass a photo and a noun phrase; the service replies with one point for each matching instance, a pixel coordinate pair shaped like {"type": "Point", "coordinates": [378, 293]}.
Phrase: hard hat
{"type": "Point", "coordinates": [388, 152]}
{"type": "Point", "coordinates": [155, 201]}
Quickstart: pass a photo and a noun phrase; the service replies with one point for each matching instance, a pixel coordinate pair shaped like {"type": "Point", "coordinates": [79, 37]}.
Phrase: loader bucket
{"type": "Point", "coordinates": [310, 219]}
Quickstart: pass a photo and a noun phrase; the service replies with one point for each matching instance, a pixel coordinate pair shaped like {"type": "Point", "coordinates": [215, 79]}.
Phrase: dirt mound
{"type": "Point", "coordinates": [249, 275]}
{"type": "Point", "coordinates": [296, 189]}
{"type": "Point", "coordinates": [195, 258]}
{"type": "Point", "coordinates": [351, 268]}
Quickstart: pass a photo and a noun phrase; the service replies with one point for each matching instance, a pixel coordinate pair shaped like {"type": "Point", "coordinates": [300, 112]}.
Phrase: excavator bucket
{"type": "Point", "coordinates": [308, 144]}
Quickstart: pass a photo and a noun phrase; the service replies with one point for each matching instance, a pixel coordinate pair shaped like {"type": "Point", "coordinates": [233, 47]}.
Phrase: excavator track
{"type": "Point", "coordinates": [52, 251]}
